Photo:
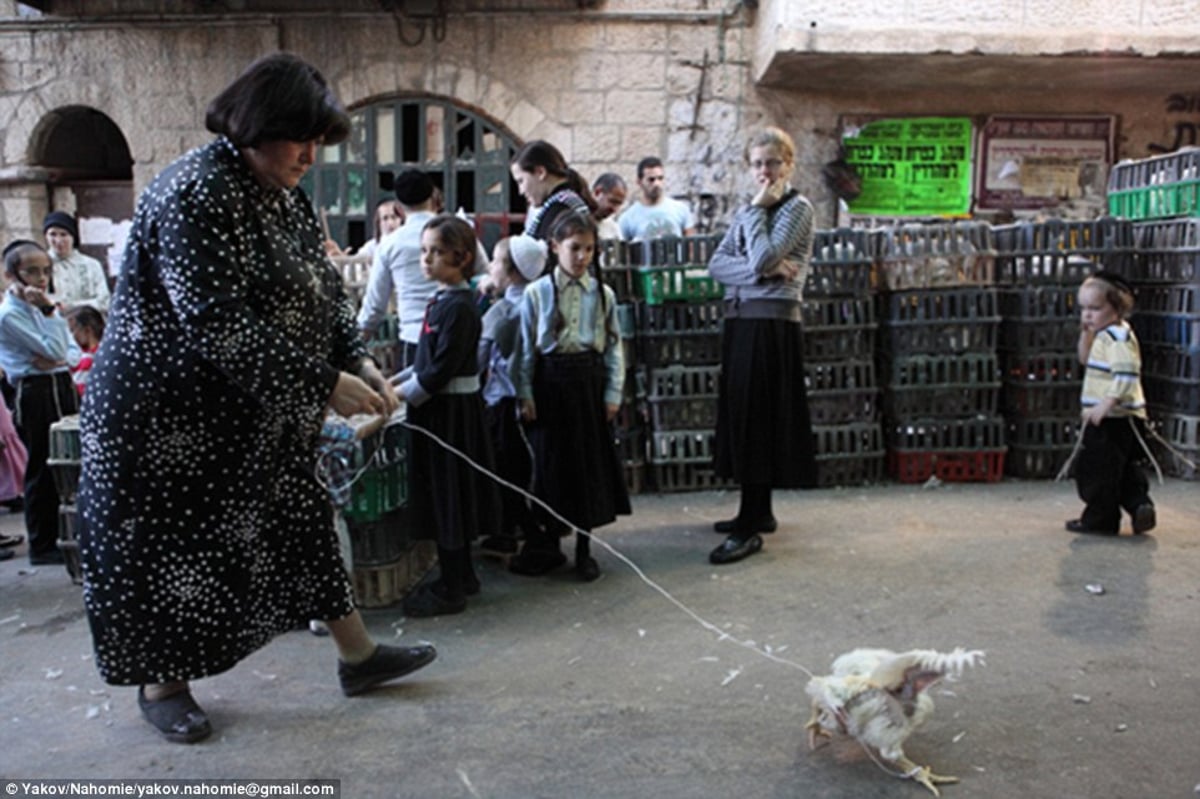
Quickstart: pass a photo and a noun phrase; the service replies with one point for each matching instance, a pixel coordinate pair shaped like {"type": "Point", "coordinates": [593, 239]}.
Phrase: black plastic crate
{"type": "Point", "coordinates": [1052, 432]}
{"type": "Point", "coordinates": [936, 255]}
{"type": "Point", "coordinates": [1041, 399]}
{"type": "Point", "coordinates": [683, 397]}
{"type": "Point", "coordinates": [839, 329]}
{"type": "Point", "coordinates": [1174, 396]}
{"type": "Point", "coordinates": [672, 477]}
{"type": "Point", "coordinates": [68, 541]}
{"type": "Point", "coordinates": [1035, 462]}
{"type": "Point", "coordinates": [1053, 267]}
{"type": "Point", "coordinates": [682, 446]}
{"type": "Point", "coordinates": [838, 279]}
{"type": "Point", "coordinates": [1181, 331]}
{"type": "Point", "coordinates": [1043, 367]}
{"type": "Point", "coordinates": [1101, 235]}
{"type": "Point", "coordinates": [935, 402]}
{"type": "Point", "coordinates": [1040, 302]}
{"type": "Point", "coordinates": [1178, 299]}
{"type": "Point", "coordinates": [942, 305]}
{"type": "Point", "coordinates": [936, 371]}
{"type": "Point", "coordinates": [1032, 335]}
{"type": "Point", "coordinates": [1170, 362]}
{"type": "Point", "coordinates": [850, 470]}
{"type": "Point", "coordinates": [914, 338]}
{"type": "Point", "coordinates": [66, 478]}
{"type": "Point", "coordinates": [1165, 266]}
{"type": "Point", "coordinates": [858, 439]}
{"type": "Point", "coordinates": [940, 435]}
{"type": "Point", "coordinates": [841, 392]}
{"type": "Point", "coordinates": [374, 543]}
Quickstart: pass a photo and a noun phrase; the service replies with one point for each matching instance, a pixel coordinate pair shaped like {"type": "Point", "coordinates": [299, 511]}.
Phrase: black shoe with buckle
{"type": "Point", "coordinates": [1076, 526]}
{"type": "Point", "coordinates": [176, 717]}
{"type": "Point", "coordinates": [733, 549]}
{"type": "Point", "coordinates": [385, 664]}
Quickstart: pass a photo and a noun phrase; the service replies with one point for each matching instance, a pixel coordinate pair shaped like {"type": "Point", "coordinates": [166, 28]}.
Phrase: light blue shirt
{"type": "Point", "coordinates": [25, 333]}
{"type": "Point", "coordinates": [587, 326]}
{"type": "Point", "coordinates": [669, 217]}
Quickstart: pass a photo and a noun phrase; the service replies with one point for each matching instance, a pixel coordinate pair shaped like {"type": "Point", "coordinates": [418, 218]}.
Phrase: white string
{"type": "Point", "coordinates": [707, 625]}
{"type": "Point", "coordinates": [721, 634]}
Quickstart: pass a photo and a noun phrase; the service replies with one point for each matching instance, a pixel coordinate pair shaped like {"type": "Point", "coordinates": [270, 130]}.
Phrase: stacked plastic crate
{"type": "Point", "coordinates": [64, 462]}
{"type": "Point", "coordinates": [938, 353]}
{"type": "Point", "coordinates": [387, 562]}
{"type": "Point", "coordinates": [678, 337]}
{"type": "Point", "coordinates": [620, 272]}
{"type": "Point", "coordinates": [1039, 267]}
{"type": "Point", "coordinates": [839, 365]}
{"type": "Point", "coordinates": [1166, 275]}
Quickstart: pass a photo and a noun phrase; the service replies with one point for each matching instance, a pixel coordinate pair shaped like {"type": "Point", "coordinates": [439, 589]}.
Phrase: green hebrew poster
{"type": "Point", "coordinates": [918, 166]}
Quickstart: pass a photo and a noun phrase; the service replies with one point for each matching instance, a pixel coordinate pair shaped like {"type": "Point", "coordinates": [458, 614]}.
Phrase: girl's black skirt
{"type": "Point", "coordinates": [764, 431]}
{"type": "Point", "coordinates": [513, 462]}
{"type": "Point", "coordinates": [451, 502]}
{"type": "Point", "coordinates": [576, 467]}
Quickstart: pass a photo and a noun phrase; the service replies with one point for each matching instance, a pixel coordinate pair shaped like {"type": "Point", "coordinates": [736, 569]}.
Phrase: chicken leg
{"type": "Point", "coordinates": [923, 775]}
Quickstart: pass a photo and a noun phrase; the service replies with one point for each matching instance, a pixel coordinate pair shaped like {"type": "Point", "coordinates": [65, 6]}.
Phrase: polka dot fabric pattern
{"type": "Point", "coordinates": [204, 531]}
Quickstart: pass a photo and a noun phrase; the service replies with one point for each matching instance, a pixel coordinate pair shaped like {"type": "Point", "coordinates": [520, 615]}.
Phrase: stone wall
{"type": "Point", "coordinates": [671, 78]}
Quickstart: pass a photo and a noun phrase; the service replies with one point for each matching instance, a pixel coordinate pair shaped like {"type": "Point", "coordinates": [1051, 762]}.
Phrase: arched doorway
{"type": "Point", "coordinates": [465, 153]}
{"type": "Point", "coordinates": [91, 174]}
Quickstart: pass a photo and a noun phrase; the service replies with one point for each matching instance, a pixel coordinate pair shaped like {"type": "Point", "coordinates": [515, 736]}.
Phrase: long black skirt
{"type": "Point", "coordinates": [764, 430]}
{"type": "Point", "coordinates": [451, 501]}
{"type": "Point", "coordinates": [513, 462]}
{"type": "Point", "coordinates": [576, 468]}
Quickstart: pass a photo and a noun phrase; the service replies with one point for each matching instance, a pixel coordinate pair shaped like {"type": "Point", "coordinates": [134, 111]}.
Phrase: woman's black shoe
{"type": "Point", "coordinates": [1076, 526]}
{"type": "Point", "coordinates": [735, 526]}
{"type": "Point", "coordinates": [733, 549]}
{"type": "Point", "coordinates": [387, 663]}
{"type": "Point", "coordinates": [536, 562]}
{"type": "Point", "coordinates": [177, 717]}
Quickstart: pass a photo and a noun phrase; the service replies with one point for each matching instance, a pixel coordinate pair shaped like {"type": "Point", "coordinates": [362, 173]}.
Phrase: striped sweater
{"type": "Point", "coordinates": [1114, 368]}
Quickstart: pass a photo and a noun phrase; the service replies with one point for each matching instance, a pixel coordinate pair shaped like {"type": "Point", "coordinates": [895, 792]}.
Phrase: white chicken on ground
{"type": "Point", "coordinates": [878, 697]}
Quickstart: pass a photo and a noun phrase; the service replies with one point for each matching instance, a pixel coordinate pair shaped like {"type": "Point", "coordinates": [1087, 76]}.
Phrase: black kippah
{"type": "Point", "coordinates": [1114, 279]}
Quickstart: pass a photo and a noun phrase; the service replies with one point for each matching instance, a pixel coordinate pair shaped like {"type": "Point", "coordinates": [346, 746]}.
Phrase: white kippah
{"type": "Point", "coordinates": [528, 255]}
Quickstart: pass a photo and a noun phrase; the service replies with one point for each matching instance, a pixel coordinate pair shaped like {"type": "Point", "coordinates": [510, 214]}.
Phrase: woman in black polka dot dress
{"type": "Point", "coordinates": [204, 529]}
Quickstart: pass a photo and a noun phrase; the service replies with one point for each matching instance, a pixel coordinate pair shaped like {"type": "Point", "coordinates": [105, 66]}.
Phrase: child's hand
{"type": "Point", "coordinates": [528, 410]}
{"type": "Point", "coordinates": [371, 375]}
{"type": "Point", "coordinates": [610, 411]}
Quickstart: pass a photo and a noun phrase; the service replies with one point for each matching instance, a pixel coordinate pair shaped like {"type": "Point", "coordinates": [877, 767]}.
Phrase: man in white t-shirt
{"type": "Point", "coordinates": [654, 214]}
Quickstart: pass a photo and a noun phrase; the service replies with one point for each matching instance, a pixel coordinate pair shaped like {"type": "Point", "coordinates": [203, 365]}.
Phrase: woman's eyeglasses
{"type": "Point", "coordinates": [770, 163]}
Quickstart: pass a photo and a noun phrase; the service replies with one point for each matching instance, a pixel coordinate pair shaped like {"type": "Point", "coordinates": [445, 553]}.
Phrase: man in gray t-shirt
{"type": "Point", "coordinates": [654, 214]}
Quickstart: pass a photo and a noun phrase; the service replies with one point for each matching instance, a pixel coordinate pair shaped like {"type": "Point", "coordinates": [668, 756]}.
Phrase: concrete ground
{"type": "Point", "coordinates": [550, 688]}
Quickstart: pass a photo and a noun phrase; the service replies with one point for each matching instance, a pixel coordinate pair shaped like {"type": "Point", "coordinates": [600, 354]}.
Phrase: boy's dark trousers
{"type": "Point", "coordinates": [1108, 475]}
{"type": "Point", "coordinates": [41, 401]}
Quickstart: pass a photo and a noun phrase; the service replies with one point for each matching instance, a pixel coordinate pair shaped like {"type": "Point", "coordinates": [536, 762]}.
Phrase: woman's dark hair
{"type": "Point", "coordinates": [88, 318]}
{"type": "Point", "coordinates": [456, 235]}
{"type": "Point", "coordinates": [15, 252]}
{"type": "Point", "coordinates": [544, 154]}
{"type": "Point", "coordinates": [279, 97]}
{"type": "Point", "coordinates": [569, 225]}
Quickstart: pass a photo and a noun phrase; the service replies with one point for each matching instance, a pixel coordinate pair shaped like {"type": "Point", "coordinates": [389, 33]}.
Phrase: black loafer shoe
{"type": "Point", "coordinates": [177, 717]}
{"type": "Point", "coordinates": [1076, 526]}
{"type": "Point", "coordinates": [1144, 518]}
{"type": "Point", "coordinates": [387, 663]}
{"type": "Point", "coordinates": [499, 545]}
{"type": "Point", "coordinates": [536, 562]}
{"type": "Point", "coordinates": [734, 549]}
{"type": "Point", "coordinates": [587, 569]}
{"type": "Point", "coordinates": [735, 526]}
{"type": "Point", "coordinates": [425, 601]}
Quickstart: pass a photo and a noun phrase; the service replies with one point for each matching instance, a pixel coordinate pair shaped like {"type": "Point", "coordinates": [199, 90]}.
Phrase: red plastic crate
{"type": "Point", "coordinates": [986, 466]}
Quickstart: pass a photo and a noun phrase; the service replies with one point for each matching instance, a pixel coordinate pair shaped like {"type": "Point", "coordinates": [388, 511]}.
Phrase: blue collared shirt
{"type": "Point", "coordinates": [26, 333]}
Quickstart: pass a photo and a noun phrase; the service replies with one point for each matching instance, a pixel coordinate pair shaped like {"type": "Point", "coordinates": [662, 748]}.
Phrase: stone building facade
{"type": "Point", "coordinates": [97, 96]}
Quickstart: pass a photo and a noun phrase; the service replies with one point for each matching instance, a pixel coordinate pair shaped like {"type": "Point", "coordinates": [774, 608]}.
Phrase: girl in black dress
{"type": "Point", "coordinates": [450, 500]}
{"type": "Point", "coordinates": [569, 382]}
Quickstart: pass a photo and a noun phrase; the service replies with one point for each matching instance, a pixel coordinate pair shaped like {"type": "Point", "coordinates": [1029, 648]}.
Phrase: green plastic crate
{"type": "Point", "coordinates": [659, 284]}
{"type": "Point", "coordinates": [378, 491]}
